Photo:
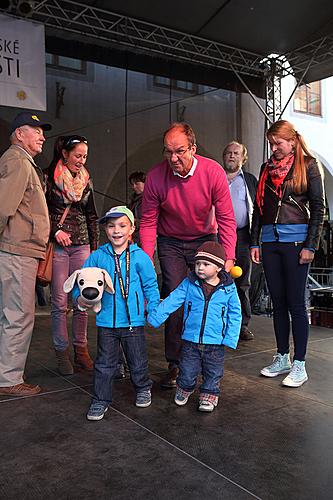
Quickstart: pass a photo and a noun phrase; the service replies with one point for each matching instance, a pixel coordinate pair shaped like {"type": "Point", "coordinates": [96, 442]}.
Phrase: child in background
{"type": "Point", "coordinates": [212, 319]}
{"type": "Point", "coordinates": [122, 317]}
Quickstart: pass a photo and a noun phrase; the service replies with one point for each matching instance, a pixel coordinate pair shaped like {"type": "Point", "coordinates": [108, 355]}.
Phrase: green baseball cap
{"type": "Point", "coordinates": [115, 212]}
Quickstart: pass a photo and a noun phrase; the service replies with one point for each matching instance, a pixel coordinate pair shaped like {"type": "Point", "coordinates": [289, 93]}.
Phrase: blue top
{"type": "Point", "coordinates": [143, 285]}
{"type": "Point", "coordinates": [216, 320]}
{"type": "Point", "coordinates": [239, 200]}
{"type": "Point", "coordinates": [285, 233]}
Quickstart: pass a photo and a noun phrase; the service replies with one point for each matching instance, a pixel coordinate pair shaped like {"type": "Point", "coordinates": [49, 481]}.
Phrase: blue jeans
{"type": "Point", "coordinates": [201, 358]}
{"type": "Point", "coordinates": [108, 344]}
{"type": "Point", "coordinates": [286, 280]}
{"type": "Point", "coordinates": [176, 260]}
{"type": "Point", "coordinates": [66, 260]}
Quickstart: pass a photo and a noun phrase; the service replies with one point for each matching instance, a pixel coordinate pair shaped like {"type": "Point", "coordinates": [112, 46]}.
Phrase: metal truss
{"type": "Point", "coordinates": [318, 52]}
{"type": "Point", "coordinates": [126, 32]}
{"type": "Point", "coordinates": [274, 71]}
{"type": "Point", "coordinates": [139, 36]}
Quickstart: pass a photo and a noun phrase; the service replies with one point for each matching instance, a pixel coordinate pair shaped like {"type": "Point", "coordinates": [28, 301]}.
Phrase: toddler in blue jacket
{"type": "Point", "coordinates": [212, 319]}
{"type": "Point", "coordinates": [122, 317]}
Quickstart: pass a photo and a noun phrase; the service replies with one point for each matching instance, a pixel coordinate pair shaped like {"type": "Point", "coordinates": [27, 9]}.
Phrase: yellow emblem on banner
{"type": "Point", "coordinates": [21, 95]}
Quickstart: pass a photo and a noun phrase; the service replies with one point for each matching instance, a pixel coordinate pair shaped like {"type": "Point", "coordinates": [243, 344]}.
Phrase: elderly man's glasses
{"type": "Point", "coordinates": [179, 152]}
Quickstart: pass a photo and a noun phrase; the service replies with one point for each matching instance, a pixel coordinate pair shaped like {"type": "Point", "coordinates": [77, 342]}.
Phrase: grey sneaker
{"type": "Point", "coordinates": [97, 411]}
{"type": "Point", "coordinates": [143, 399]}
{"type": "Point", "coordinates": [182, 396]}
{"type": "Point", "coordinates": [297, 375]}
{"type": "Point", "coordinates": [281, 364]}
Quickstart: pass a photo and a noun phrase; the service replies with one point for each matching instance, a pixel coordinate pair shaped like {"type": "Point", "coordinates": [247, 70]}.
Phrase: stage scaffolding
{"type": "Point", "coordinates": [140, 36]}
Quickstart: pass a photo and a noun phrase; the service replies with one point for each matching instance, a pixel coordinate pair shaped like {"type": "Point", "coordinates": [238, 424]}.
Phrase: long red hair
{"type": "Point", "coordinates": [286, 130]}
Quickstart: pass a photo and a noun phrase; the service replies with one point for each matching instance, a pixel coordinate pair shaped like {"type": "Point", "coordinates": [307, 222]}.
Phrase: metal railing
{"type": "Point", "coordinates": [321, 278]}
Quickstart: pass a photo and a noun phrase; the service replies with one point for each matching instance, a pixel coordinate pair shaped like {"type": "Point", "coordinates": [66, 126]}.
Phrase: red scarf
{"type": "Point", "coordinates": [277, 170]}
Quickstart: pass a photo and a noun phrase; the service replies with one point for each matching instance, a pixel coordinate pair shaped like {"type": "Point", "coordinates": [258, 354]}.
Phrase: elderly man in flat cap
{"type": "Point", "coordinates": [24, 232]}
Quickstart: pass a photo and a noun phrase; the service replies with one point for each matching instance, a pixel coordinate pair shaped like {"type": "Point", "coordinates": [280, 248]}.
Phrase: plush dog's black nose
{"type": "Point", "coordinates": [90, 293]}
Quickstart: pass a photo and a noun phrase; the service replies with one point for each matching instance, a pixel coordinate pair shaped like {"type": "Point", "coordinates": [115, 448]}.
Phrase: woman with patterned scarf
{"type": "Point", "coordinates": [288, 212]}
{"type": "Point", "coordinates": [69, 185]}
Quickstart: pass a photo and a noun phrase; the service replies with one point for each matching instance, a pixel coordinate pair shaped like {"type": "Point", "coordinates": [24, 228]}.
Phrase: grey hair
{"type": "Point", "coordinates": [244, 150]}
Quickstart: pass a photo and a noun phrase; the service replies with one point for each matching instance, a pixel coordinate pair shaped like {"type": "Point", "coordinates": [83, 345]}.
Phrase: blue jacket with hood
{"type": "Point", "coordinates": [213, 320]}
{"type": "Point", "coordinates": [143, 285]}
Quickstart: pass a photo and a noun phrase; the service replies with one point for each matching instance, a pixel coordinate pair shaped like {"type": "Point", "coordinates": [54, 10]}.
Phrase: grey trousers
{"type": "Point", "coordinates": [17, 314]}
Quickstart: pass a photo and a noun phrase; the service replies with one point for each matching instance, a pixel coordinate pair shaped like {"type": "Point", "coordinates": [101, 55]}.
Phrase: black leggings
{"type": "Point", "coordinates": [286, 279]}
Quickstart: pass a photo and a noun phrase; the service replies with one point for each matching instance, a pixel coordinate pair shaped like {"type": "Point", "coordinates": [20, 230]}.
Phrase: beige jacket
{"type": "Point", "coordinates": [24, 219]}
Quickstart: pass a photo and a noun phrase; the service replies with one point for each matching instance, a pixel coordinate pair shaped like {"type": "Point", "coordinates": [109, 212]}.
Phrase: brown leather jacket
{"type": "Point", "coordinates": [82, 219]}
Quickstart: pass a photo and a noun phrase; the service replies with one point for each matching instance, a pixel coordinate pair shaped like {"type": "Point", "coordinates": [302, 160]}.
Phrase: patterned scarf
{"type": "Point", "coordinates": [277, 170]}
{"type": "Point", "coordinates": [71, 187]}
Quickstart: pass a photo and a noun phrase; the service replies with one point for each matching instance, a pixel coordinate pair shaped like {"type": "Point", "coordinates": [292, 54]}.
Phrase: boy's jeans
{"type": "Point", "coordinates": [66, 260]}
{"type": "Point", "coordinates": [201, 358]}
{"type": "Point", "coordinates": [134, 346]}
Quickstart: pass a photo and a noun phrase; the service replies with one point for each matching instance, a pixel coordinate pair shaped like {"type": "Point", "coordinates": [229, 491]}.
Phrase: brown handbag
{"type": "Point", "coordinates": [44, 271]}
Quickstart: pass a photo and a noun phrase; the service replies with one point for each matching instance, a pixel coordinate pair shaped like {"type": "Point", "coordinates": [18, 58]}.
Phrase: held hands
{"type": "Point", "coordinates": [306, 256]}
{"type": "Point", "coordinates": [63, 239]}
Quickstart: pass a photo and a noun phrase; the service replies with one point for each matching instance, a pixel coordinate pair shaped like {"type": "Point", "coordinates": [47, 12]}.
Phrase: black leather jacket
{"type": "Point", "coordinates": [82, 219]}
{"type": "Point", "coordinates": [304, 208]}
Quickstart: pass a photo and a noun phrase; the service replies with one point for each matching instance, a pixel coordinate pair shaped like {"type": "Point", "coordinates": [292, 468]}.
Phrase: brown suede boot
{"type": "Point", "coordinates": [82, 358]}
{"type": "Point", "coordinates": [65, 366]}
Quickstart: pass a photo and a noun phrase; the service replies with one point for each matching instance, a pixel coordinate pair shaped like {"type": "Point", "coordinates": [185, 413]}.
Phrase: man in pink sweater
{"type": "Point", "coordinates": [186, 202]}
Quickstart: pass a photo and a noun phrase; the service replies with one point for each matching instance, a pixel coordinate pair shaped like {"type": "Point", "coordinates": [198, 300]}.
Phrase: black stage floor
{"type": "Point", "coordinates": [263, 440]}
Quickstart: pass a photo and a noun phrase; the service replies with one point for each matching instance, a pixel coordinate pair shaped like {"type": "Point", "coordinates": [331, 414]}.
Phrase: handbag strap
{"type": "Point", "coordinates": [64, 215]}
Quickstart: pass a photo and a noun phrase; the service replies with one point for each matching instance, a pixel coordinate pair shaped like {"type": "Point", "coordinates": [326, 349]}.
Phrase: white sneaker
{"type": "Point", "coordinates": [207, 402]}
{"type": "Point", "coordinates": [281, 364]}
{"type": "Point", "coordinates": [297, 375]}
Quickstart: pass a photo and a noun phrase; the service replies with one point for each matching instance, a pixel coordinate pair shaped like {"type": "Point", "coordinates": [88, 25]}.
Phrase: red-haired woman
{"type": "Point", "coordinates": [288, 212]}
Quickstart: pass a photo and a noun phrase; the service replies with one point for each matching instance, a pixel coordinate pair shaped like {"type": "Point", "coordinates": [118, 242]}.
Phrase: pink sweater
{"type": "Point", "coordinates": [188, 208]}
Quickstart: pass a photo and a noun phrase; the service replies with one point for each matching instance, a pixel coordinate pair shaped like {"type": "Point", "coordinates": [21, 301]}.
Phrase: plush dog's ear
{"type": "Point", "coordinates": [70, 282]}
{"type": "Point", "coordinates": [108, 281]}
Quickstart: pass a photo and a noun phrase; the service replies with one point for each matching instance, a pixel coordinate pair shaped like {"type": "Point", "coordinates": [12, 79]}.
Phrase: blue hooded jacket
{"type": "Point", "coordinates": [213, 320]}
{"type": "Point", "coordinates": [143, 285]}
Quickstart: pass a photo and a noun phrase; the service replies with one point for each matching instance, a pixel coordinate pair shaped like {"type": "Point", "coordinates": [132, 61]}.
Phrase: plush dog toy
{"type": "Point", "coordinates": [92, 281]}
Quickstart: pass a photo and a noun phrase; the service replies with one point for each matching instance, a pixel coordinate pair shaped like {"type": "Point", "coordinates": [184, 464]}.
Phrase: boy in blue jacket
{"type": "Point", "coordinates": [212, 319]}
{"type": "Point", "coordinates": [122, 317]}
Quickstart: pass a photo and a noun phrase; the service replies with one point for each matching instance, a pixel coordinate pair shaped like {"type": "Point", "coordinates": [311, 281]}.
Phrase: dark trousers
{"type": "Point", "coordinates": [105, 366]}
{"type": "Point", "coordinates": [286, 280]}
{"type": "Point", "coordinates": [201, 358]}
{"type": "Point", "coordinates": [243, 283]}
{"type": "Point", "coordinates": [176, 259]}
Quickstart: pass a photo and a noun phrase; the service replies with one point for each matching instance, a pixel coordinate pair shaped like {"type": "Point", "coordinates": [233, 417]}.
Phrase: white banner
{"type": "Point", "coordinates": [22, 64]}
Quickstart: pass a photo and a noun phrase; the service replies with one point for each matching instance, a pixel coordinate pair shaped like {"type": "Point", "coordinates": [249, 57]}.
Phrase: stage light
{"type": "Point", "coordinates": [25, 8]}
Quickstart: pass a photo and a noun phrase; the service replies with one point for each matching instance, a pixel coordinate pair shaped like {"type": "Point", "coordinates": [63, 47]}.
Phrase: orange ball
{"type": "Point", "coordinates": [236, 272]}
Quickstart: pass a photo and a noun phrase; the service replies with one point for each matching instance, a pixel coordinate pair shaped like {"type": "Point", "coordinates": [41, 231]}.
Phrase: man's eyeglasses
{"type": "Point", "coordinates": [74, 139]}
{"type": "Point", "coordinates": [179, 152]}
